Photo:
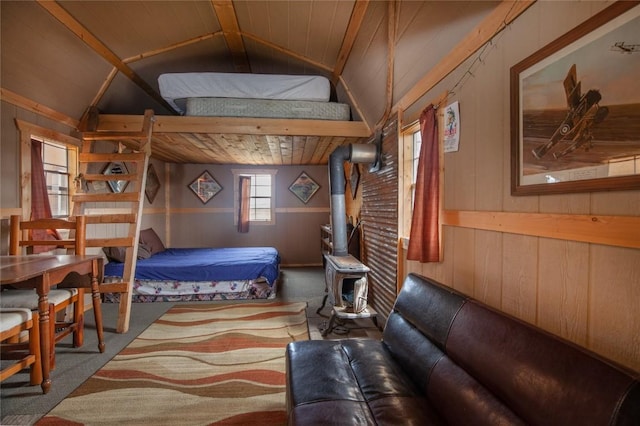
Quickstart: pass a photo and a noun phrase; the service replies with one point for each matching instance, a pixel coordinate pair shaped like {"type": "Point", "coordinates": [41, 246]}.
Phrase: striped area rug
{"type": "Point", "coordinates": [199, 364]}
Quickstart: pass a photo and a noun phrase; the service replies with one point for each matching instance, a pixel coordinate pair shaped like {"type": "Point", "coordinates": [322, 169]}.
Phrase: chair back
{"type": "Point", "coordinates": [21, 235]}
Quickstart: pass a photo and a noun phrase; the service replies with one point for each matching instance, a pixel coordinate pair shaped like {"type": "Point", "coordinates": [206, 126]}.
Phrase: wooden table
{"type": "Point", "coordinates": [43, 272]}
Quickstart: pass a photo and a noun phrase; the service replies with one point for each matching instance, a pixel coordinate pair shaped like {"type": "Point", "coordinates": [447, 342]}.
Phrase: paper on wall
{"type": "Point", "coordinates": [452, 127]}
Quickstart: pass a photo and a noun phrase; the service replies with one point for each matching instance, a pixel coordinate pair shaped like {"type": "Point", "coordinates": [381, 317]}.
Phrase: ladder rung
{"type": "Point", "coordinates": [117, 287]}
{"type": "Point", "coordinates": [127, 177]}
{"type": "Point", "coordinates": [86, 157]}
{"type": "Point", "coordinates": [110, 242]}
{"type": "Point", "coordinates": [114, 136]}
{"type": "Point", "coordinates": [99, 197]}
{"type": "Point", "coordinates": [111, 218]}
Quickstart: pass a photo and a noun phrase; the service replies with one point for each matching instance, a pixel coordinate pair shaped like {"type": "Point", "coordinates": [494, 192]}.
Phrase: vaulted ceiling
{"type": "Point", "coordinates": [61, 57]}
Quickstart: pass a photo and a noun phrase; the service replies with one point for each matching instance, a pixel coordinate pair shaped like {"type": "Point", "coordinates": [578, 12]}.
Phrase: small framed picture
{"type": "Point", "coordinates": [153, 184]}
{"type": "Point", "coordinates": [304, 187]}
{"type": "Point", "coordinates": [116, 168]}
{"type": "Point", "coordinates": [205, 187]}
{"type": "Point", "coordinates": [354, 179]}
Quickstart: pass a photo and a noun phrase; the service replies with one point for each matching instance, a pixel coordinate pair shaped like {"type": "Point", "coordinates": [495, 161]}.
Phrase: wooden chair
{"type": "Point", "coordinates": [59, 298]}
{"type": "Point", "coordinates": [13, 323]}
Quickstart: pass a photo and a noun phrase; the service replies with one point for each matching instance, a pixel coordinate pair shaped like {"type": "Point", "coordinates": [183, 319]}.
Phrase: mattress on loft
{"type": "Point", "coordinates": [242, 85]}
{"type": "Point", "coordinates": [267, 108]}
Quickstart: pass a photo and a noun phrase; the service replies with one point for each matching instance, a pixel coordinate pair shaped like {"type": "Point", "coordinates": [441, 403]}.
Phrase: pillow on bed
{"type": "Point", "coordinates": [144, 251]}
{"type": "Point", "coordinates": [118, 254]}
{"type": "Point", "coordinates": [115, 254]}
{"type": "Point", "coordinates": [152, 241]}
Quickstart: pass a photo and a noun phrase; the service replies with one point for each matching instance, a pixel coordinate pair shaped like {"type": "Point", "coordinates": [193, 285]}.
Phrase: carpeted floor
{"type": "Point", "coordinates": [198, 364]}
{"type": "Point", "coordinates": [21, 404]}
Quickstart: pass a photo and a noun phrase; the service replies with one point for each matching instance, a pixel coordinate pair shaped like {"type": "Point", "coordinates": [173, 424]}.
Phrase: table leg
{"type": "Point", "coordinates": [42, 288]}
{"type": "Point", "coordinates": [97, 304]}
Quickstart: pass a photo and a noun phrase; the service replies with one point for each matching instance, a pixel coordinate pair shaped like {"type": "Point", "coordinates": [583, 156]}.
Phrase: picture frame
{"type": "Point", "coordinates": [153, 184]}
{"type": "Point", "coordinates": [304, 187]}
{"type": "Point", "coordinates": [205, 187]}
{"type": "Point", "coordinates": [354, 179]}
{"type": "Point", "coordinates": [575, 125]}
{"type": "Point", "coordinates": [117, 168]}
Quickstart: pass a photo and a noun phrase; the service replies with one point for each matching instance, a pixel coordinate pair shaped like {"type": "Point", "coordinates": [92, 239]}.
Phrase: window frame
{"type": "Point", "coordinates": [236, 194]}
{"type": "Point", "coordinates": [408, 182]}
{"type": "Point", "coordinates": [29, 131]}
{"type": "Point", "coordinates": [49, 169]}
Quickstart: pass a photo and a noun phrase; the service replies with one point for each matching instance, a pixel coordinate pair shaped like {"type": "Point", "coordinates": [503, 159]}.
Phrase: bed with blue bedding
{"type": "Point", "coordinates": [189, 274]}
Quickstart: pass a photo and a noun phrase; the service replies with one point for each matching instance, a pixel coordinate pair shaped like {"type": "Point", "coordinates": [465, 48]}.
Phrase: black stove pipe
{"type": "Point", "coordinates": [354, 153]}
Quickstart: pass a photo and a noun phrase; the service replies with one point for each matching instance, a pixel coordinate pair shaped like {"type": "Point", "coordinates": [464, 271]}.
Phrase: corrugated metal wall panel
{"type": "Point", "coordinates": [379, 216]}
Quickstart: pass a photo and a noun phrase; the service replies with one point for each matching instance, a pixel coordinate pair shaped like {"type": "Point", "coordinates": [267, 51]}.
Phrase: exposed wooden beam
{"type": "Point", "coordinates": [226, 14]}
{"type": "Point", "coordinates": [100, 48]}
{"type": "Point", "coordinates": [29, 105]}
{"type": "Point", "coordinates": [103, 89]}
{"type": "Point", "coordinates": [505, 13]}
{"type": "Point", "coordinates": [391, 54]}
{"type": "Point", "coordinates": [621, 231]}
{"type": "Point", "coordinates": [355, 21]}
{"type": "Point", "coordinates": [234, 125]}
{"type": "Point", "coordinates": [354, 103]}
{"type": "Point", "coordinates": [171, 47]}
{"type": "Point", "coordinates": [287, 52]}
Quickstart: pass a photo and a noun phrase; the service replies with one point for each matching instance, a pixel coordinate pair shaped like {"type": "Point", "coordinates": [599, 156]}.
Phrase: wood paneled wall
{"type": "Point", "coordinates": [584, 290]}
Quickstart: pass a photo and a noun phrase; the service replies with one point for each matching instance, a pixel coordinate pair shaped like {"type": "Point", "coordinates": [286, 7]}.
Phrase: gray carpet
{"type": "Point", "coordinates": [21, 404]}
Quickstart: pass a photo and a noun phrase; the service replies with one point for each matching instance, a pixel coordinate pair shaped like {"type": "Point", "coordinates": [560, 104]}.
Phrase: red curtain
{"type": "Point", "coordinates": [243, 211]}
{"type": "Point", "coordinates": [424, 240]}
{"type": "Point", "coordinates": [40, 207]}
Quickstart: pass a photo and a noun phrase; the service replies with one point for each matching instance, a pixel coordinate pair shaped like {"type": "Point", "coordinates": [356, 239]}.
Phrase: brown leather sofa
{"type": "Point", "coordinates": [448, 359]}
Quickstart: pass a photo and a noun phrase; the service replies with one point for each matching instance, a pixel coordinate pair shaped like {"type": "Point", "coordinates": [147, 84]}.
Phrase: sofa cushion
{"type": "Point", "coordinates": [430, 308]}
{"type": "Point", "coordinates": [351, 382]}
{"type": "Point", "coordinates": [459, 397]}
{"type": "Point", "coordinates": [539, 376]}
{"type": "Point", "coordinates": [416, 355]}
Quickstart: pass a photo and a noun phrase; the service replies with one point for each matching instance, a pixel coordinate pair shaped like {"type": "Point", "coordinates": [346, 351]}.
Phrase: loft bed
{"type": "Point", "coordinates": [251, 95]}
{"type": "Point", "coordinates": [244, 124]}
{"type": "Point", "coordinates": [221, 140]}
{"type": "Point", "coordinates": [195, 274]}
{"type": "Point", "coordinates": [193, 139]}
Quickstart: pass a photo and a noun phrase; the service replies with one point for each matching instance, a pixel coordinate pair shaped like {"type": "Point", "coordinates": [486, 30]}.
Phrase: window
{"type": "Point", "coordinates": [412, 142]}
{"type": "Point", "coordinates": [261, 201]}
{"type": "Point", "coordinates": [55, 159]}
{"type": "Point", "coordinates": [416, 144]}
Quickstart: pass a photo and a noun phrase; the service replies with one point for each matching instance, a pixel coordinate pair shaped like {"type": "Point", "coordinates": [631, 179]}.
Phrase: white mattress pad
{"type": "Point", "coordinates": [239, 85]}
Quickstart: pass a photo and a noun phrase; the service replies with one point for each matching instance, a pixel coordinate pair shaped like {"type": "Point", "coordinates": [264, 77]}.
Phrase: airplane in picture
{"type": "Point", "coordinates": [625, 48]}
{"type": "Point", "coordinates": [584, 112]}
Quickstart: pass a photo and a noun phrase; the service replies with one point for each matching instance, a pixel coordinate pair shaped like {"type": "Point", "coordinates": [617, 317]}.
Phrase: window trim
{"type": "Point", "coordinates": [407, 183]}
{"type": "Point", "coordinates": [68, 155]}
{"type": "Point", "coordinates": [30, 131]}
{"type": "Point", "coordinates": [236, 194]}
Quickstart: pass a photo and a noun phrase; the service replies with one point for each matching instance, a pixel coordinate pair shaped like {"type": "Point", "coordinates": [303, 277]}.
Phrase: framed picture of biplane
{"type": "Point", "coordinates": [575, 109]}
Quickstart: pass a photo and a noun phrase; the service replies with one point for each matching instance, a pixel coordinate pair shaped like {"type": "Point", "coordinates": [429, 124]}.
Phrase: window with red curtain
{"type": "Point", "coordinates": [424, 239]}
{"type": "Point", "coordinates": [40, 206]}
{"type": "Point", "coordinates": [244, 205]}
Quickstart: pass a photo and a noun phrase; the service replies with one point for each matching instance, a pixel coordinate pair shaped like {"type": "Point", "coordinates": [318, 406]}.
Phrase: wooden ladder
{"type": "Point", "coordinates": [120, 211]}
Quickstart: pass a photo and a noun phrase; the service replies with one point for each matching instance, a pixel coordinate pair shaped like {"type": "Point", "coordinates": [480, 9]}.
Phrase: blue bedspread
{"type": "Point", "coordinates": [205, 264]}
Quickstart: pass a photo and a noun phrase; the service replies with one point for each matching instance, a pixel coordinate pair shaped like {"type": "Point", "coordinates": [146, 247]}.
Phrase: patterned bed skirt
{"type": "Point", "coordinates": [191, 291]}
